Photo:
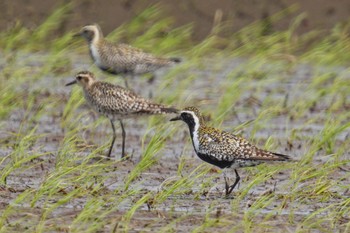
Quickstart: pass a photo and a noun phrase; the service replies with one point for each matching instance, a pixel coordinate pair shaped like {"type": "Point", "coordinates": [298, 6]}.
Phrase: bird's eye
{"type": "Point", "coordinates": [79, 78]}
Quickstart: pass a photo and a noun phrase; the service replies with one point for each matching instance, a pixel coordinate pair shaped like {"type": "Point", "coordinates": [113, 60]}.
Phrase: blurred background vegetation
{"type": "Point", "coordinates": [306, 21]}
{"type": "Point", "coordinates": [202, 15]}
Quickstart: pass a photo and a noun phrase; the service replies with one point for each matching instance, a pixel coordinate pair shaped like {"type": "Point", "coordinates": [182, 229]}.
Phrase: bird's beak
{"type": "Point", "coordinates": [71, 83]}
{"type": "Point", "coordinates": [78, 34]}
{"type": "Point", "coordinates": [176, 118]}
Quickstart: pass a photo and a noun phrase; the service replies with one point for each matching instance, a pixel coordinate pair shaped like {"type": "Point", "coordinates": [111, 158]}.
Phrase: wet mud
{"type": "Point", "coordinates": [193, 206]}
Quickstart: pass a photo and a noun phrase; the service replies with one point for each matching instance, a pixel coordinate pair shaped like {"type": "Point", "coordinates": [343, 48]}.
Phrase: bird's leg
{"type": "Point", "coordinates": [226, 182]}
{"type": "Point", "coordinates": [152, 79]}
{"type": "Point", "coordinates": [123, 135]}
{"type": "Point", "coordinates": [234, 184]}
{"type": "Point", "coordinates": [126, 81]}
{"type": "Point", "coordinates": [150, 94]}
{"type": "Point", "coordinates": [114, 136]}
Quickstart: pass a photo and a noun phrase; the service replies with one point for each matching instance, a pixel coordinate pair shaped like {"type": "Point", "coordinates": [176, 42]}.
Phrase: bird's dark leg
{"type": "Point", "coordinates": [126, 81]}
{"type": "Point", "coordinates": [226, 186]}
{"type": "Point", "coordinates": [226, 182]}
{"type": "Point", "coordinates": [152, 79]}
{"type": "Point", "coordinates": [236, 182]}
{"type": "Point", "coordinates": [113, 140]}
{"type": "Point", "coordinates": [123, 135]}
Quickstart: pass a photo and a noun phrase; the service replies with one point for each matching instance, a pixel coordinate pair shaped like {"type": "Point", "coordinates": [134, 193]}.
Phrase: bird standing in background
{"type": "Point", "coordinates": [121, 59]}
{"type": "Point", "coordinates": [116, 102]}
{"type": "Point", "coordinates": [223, 149]}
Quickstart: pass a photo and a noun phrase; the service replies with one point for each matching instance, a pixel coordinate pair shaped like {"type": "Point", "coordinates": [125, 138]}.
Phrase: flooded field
{"type": "Point", "coordinates": [54, 177]}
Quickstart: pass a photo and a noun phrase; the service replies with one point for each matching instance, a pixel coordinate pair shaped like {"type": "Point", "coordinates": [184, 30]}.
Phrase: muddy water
{"type": "Point", "coordinates": [205, 92]}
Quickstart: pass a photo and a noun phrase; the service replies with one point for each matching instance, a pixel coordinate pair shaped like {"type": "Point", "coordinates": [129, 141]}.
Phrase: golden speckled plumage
{"type": "Point", "coordinates": [121, 58]}
{"type": "Point", "coordinates": [125, 59]}
{"type": "Point", "coordinates": [221, 148]}
{"type": "Point", "coordinates": [116, 102]}
{"type": "Point", "coordinates": [229, 147]}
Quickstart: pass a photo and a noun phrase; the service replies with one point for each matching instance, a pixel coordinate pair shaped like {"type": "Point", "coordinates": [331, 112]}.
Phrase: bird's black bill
{"type": "Point", "coordinates": [176, 118]}
{"type": "Point", "coordinates": [76, 35]}
{"type": "Point", "coordinates": [71, 83]}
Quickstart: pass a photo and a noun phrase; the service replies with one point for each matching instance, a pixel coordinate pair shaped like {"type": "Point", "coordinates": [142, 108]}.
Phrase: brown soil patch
{"type": "Point", "coordinates": [321, 14]}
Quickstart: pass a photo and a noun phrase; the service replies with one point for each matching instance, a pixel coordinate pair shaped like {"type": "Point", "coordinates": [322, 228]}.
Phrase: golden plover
{"type": "Point", "coordinates": [121, 58]}
{"type": "Point", "coordinates": [116, 102]}
{"type": "Point", "coordinates": [223, 149]}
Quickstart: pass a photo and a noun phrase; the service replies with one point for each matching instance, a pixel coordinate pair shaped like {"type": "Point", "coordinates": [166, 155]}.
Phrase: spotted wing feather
{"type": "Point", "coordinates": [113, 100]}
{"type": "Point", "coordinates": [225, 146]}
{"type": "Point", "coordinates": [123, 58]}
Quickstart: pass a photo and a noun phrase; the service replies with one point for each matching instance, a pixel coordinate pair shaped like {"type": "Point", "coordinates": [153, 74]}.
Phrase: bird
{"type": "Point", "coordinates": [223, 149]}
{"type": "Point", "coordinates": [116, 102]}
{"type": "Point", "coordinates": [121, 58]}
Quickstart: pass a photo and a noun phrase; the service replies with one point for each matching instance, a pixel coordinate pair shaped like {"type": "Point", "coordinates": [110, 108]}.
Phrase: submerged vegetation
{"type": "Point", "coordinates": [287, 92]}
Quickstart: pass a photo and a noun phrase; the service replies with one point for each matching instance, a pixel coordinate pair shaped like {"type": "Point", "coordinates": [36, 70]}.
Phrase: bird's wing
{"type": "Point", "coordinates": [133, 53]}
{"type": "Point", "coordinates": [145, 106]}
{"type": "Point", "coordinates": [141, 57]}
{"type": "Point", "coordinates": [229, 147]}
{"type": "Point", "coordinates": [125, 101]}
{"type": "Point", "coordinates": [113, 98]}
{"type": "Point", "coordinates": [130, 48]}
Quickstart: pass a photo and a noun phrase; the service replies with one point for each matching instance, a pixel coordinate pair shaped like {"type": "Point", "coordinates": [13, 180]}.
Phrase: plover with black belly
{"type": "Point", "coordinates": [223, 149]}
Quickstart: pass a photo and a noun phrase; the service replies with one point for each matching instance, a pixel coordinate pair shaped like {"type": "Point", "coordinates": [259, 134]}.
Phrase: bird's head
{"type": "Point", "coordinates": [91, 33]}
{"type": "Point", "coordinates": [192, 117]}
{"type": "Point", "coordinates": [83, 78]}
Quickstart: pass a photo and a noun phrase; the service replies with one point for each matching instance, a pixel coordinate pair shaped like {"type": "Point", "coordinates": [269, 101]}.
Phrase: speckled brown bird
{"type": "Point", "coordinates": [223, 149]}
{"type": "Point", "coordinates": [116, 102]}
{"type": "Point", "coordinates": [121, 59]}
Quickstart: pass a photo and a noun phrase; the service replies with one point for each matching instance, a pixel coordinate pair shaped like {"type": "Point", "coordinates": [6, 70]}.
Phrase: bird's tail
{"type": "Point", "coordinates": [158, 109]}
{"type": "Point", "coordinates": [282, 157]}
{"type": "Point", "coordinates": [169, 110]}
{"type": "Point", "coordinates": [267, 155]}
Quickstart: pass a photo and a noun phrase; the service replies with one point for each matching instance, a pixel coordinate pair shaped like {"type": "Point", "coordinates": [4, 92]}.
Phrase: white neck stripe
{"type": "Point", "coordinates": [195, 138]}
{"type": "Point", "coordinates": [96, 35]}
